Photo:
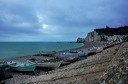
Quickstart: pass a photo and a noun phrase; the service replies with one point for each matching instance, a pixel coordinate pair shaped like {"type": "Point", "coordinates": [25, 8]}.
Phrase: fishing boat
{"type": "Point", "coordinates": [94, 50]}
{"type": "Point", "coordinates": [47, 63]}
{"type": "Point", "coordinates": [67, 57]}
{"type": "Point", "coordinates": [109, 45]}
{"type": "Point", "coordinates": [99, 49]}
{"type": "Point", "coordinates": [80, 54]}
{"type": "Point", "coordinates": [21, 66]}
{"type": "Point", "coordinates": [70, 59]}
{"type": "Point", "coordinates": [77, 54]}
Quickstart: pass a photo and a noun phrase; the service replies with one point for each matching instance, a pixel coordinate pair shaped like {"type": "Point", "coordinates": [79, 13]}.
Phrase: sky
{"type": "Point", "coordinates": [58, 20]}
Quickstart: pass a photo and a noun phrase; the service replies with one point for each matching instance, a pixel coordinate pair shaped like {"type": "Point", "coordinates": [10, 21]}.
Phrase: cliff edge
{"type": "Point", "coordinates": [107, 34]}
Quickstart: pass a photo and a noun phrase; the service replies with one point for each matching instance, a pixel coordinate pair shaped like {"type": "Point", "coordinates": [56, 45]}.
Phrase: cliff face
{"type": "Point", "coordinates": [80, 40]}
{"type": "Point", "coordinates": [94, 36]}
{"type": "Point", "coordinates": [106, 34]}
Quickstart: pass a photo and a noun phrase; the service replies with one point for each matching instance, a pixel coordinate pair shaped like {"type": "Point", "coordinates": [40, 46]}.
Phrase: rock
{"type": "Point", "coordinates": [104, 35]}
{"type": "Point", "coordinates": [94, 36]}
{"type": "Point", "coordinates": [80, 40]}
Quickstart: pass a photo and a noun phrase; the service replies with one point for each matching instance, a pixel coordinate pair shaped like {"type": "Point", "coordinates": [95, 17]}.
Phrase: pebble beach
{"type": "Point", "coordinates": [91, 70]}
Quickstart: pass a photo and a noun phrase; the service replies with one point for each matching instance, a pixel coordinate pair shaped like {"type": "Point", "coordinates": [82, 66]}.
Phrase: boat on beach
{"type": "Point", "coordinates": [67, 57]}
{"type": "Point", "coordinates": [94, 50]}
{"type": "Point", "coordinates": [109, 45]}
{"type": "Point", "coordinates": [48, 63]}
{"type": "Point", "coordinates": [68, 60]}
{"type": "Point", "coordinates": [80, 54]}
{"type": "Point", "coordinates": [21, 66]}
{"type": "Point", "coordinates": [99, 49]}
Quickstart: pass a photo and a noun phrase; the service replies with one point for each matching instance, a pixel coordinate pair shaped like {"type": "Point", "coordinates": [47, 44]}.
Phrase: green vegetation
{"type": "Point", "coordinates": [112, 31]}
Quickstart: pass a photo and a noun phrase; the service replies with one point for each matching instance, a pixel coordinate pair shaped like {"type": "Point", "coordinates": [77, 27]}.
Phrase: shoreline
{"type": "Point", "coordinates": [57, 50]}
{"type": "Point", "coordinates": [85, 46]}
{"type": "Point", "coordinates": [20, 77]}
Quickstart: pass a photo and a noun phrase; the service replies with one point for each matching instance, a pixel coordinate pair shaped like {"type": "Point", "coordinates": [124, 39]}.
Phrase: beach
{"type": "Point", "coordinates": [85, 46]}
{"type": "Point", "coordinates": [87, 71]}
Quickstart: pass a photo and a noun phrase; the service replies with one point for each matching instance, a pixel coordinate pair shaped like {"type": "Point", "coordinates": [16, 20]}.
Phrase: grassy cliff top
{"type": "Point", "coordinates": [112, 31]}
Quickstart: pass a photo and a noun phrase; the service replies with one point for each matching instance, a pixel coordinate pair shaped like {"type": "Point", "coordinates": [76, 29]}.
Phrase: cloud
{"type": "Point", "coordinates": [44, 26]}
{"type": "Point", "coordinates": [58, 20]}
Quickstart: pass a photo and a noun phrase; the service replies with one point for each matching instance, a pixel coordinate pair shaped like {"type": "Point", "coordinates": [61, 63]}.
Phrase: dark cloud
{"type": "Point", "coordinates": [58, 20]}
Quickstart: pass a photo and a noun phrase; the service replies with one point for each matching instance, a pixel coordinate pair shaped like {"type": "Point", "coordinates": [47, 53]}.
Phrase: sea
{"type": "Point", "coordinates": [17, 49]}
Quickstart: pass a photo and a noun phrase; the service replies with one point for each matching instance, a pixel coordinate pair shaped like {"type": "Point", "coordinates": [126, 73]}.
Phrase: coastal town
{"type": "Point", "coordinates": [102, 60]}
